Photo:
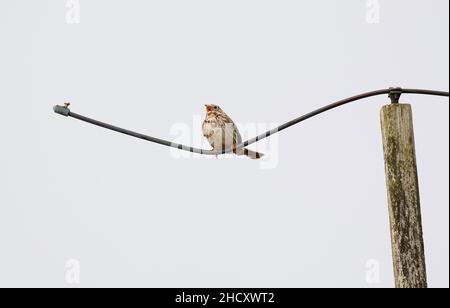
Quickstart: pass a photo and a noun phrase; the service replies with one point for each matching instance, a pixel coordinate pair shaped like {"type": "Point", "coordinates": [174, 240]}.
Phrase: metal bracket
{"type": "Point", "coordinates": [395, 94]}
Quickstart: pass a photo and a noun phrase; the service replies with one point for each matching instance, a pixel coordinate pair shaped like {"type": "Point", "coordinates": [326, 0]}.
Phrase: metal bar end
{"type": "Point", "coordinates": [62, 110]}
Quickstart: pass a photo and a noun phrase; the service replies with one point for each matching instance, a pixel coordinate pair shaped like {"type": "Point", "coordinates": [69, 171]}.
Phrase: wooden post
{"type": "Point", "coordinates": [403, 196]}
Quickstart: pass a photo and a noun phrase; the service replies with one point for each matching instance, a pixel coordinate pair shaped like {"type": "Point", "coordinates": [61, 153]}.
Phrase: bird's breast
{"type": "Point", "coordinates": [208, 127]}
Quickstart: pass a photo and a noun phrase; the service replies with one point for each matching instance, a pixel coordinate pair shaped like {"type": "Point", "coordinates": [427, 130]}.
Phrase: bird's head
{"type": "Point", "coordinates": [211, 108]}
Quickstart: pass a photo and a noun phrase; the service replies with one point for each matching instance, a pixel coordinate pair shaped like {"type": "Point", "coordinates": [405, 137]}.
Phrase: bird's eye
{"type": "Point", "coordinates": [216, 107]}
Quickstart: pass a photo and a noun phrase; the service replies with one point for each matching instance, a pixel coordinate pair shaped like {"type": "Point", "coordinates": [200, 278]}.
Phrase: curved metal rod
{"type": "Point", "coordinates": [394, 94]}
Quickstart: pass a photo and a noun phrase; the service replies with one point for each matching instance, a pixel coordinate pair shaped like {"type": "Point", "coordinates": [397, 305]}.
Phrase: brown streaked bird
{"type": "Point", "coordinates": [222, 134]}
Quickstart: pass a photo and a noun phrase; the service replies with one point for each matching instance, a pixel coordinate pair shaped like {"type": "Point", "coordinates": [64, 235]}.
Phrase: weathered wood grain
{"type": "Point", "coordinates": [403, 196]}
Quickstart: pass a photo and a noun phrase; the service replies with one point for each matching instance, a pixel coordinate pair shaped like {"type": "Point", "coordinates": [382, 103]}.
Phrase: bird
{"type": "Point", "coordinates": [222, 134]}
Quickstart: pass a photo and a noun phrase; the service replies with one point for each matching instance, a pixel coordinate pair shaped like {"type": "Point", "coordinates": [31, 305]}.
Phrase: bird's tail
{"type": "Point", "coordinates": [252, 154]}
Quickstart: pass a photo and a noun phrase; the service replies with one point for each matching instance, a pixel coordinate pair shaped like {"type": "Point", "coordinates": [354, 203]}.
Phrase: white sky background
{"type": "Point", "coordinates": [133, 215]}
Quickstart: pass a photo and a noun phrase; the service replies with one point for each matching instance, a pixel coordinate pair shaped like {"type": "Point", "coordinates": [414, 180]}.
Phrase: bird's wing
{"type": "Point", "coordinates": [237, 138]}
{"type": "Point", "coordinates": [232, 135]}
